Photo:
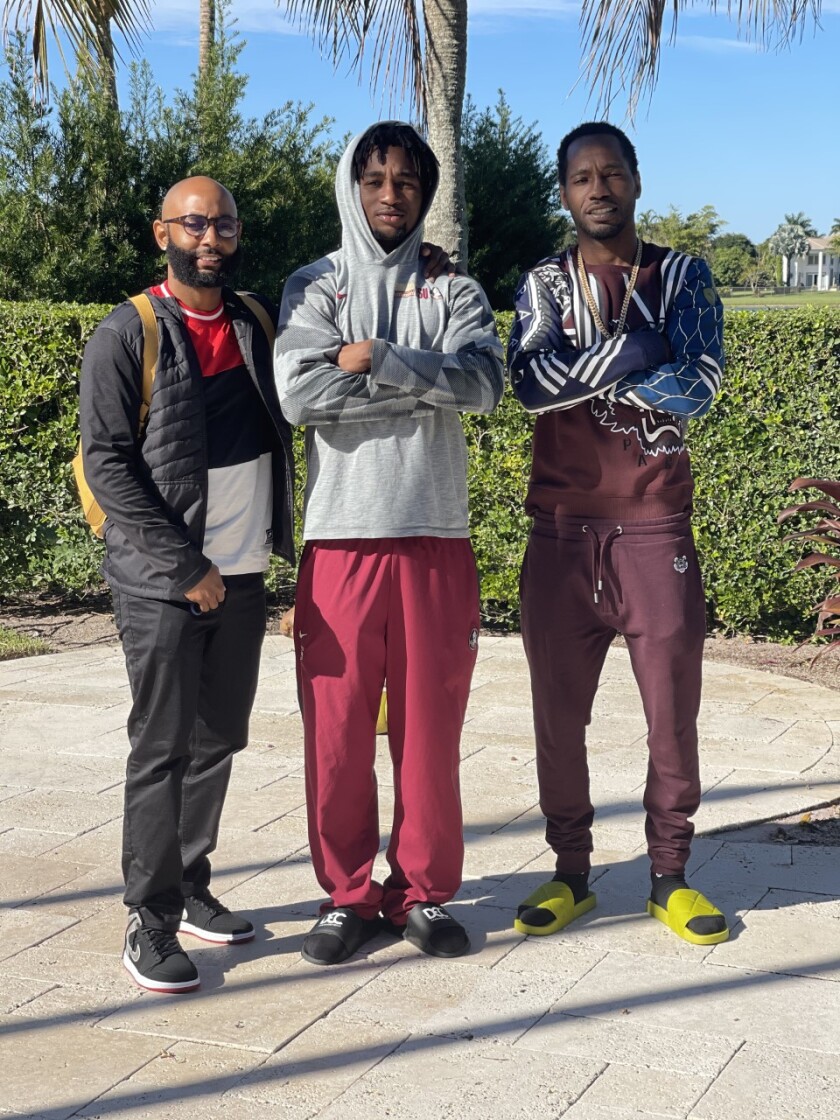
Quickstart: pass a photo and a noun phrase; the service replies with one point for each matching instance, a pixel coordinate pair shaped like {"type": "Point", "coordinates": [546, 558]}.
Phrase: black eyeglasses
{"type": "Point", "coordinates": [197, 225]}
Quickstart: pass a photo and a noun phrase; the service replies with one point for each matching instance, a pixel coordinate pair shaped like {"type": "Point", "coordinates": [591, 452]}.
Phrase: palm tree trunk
{"type": "Point", "coordinates": [101, 14]}
{"type": "Point", "coordinates": [446, 72]}
{"type": "Point", "coordinates": [206, 33]}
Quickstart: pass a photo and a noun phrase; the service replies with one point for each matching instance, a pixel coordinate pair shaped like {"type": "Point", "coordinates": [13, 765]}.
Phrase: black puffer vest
{"type": "Point", "coordinates": [172, 458]}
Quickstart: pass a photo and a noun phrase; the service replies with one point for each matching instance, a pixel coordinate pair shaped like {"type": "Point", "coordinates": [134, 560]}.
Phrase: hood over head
{"type": "Point", "coordinates": [358, 241]}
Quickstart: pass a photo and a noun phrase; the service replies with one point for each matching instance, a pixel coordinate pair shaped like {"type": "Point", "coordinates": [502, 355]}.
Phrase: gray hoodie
{"type": "Point", "coordinates": [386, 455]}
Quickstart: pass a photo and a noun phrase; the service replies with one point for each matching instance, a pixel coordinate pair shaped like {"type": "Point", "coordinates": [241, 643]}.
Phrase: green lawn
{"type": "Point", "coordinates": [18, 645]}
{"type": "Point", "coordinates": [796, 299]}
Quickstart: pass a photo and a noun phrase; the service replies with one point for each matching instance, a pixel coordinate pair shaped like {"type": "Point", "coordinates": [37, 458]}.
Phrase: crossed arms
{"type": "Point", "coordinates": [677, 371]}
{"type": "Point", "coordinates": [466, 375]}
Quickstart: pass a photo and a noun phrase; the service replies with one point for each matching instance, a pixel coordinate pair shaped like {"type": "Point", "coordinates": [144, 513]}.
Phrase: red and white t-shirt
{"type": "Point", "coordinates": [237, 534]}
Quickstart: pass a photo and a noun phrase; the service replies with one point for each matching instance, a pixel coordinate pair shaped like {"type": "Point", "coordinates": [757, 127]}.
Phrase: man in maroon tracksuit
{"type": "Point", "coordinates": [616, 344]}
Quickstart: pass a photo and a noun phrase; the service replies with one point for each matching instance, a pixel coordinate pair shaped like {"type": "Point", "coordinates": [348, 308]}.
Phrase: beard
{"type": "Point", "coordinates": [185, 267]}
{"type": "Point", "coordinates": [389, 242]}
{"type": "Point", "coordinates": [604, 231]}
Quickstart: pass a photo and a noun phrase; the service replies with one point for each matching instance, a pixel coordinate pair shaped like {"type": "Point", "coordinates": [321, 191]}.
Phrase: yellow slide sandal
{"type": "Point", "coordinates": [557, 900]}
{"type": "Point", "coordinates": [683, 905]}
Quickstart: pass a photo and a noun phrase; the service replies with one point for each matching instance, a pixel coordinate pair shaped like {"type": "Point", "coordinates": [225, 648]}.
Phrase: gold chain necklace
{"type": "Point", "coordinates": [628, 295]}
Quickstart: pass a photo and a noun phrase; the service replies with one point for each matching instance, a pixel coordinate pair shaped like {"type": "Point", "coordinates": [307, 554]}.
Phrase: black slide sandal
{"type": "Point", "coordinates": [435, 932]}
{"type": "Point", "coordinates": [337, 935]}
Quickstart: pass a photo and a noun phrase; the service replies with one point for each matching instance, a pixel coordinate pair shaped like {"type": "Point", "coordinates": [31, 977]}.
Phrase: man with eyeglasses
{"type": "Point", "coordinates": [195, 506]}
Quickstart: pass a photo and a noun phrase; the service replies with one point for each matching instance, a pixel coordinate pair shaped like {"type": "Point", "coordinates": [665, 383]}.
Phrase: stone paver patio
{"type": "Point", "coordinates": [611, 1019]}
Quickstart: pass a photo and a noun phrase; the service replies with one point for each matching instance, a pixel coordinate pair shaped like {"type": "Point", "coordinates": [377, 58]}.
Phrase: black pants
{"type": "Point", "coordinates": [193, 680]}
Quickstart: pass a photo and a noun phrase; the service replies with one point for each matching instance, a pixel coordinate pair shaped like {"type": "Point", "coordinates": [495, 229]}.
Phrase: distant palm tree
{"type": "Point", "coordinates": [789, 240]}
{"type": "Point", "coordinates": [646, 223]}
{"type": "Point", "coordinates": [622, 39]}
{"type": "Point", "coordinates": [803, 221]}
{"type": "Point", "coordinates": [418, 48]}
{"type": "Point", "coordinates": [206, 33]}
{"type": "Point", "coordinates": [87, 25]}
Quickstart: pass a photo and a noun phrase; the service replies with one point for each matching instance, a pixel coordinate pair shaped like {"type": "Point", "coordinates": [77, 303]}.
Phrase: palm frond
{"type": "Point", "coordinates": [816, 559]}
{"type": "Point", "coordinates": [773, 24]}
{"type": "Point", "coordinates": [825, 484]}
{"type": "Point", "coordinates": [826, 532]}
{"type": "Point", "coordinates": [388, 32]}
{"type": "Point", "coordinates": [622, 39]}
{"type": "Point", "coordinates": [77, 19]}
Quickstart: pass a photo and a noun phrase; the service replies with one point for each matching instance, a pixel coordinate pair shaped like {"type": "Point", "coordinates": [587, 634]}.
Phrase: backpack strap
{"type": "Point", "coordinates": [260, 313]}
{"type": "Point", "coordinates": [93, 511]}
{"type": "Point", "coordinates": [150, 352]}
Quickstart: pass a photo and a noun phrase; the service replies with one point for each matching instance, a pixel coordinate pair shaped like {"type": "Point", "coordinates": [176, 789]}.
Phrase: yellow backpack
{"type": "Point", "coordinates": [93, 511]}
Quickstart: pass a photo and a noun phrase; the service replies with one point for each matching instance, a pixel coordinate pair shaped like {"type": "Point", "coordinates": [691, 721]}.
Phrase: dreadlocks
{"type": "Point", "coordinates": [392, 134]}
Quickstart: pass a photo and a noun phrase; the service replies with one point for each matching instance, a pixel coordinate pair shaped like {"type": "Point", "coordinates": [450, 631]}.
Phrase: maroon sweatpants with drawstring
{"type": "Point", "coordinates": [583, 581]}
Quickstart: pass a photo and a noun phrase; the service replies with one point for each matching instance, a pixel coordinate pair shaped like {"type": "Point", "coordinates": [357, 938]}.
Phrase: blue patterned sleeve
{"type": "Point", "coordinates": [688, 384]}
{"type": "Point", "coordinates": [548, 373]}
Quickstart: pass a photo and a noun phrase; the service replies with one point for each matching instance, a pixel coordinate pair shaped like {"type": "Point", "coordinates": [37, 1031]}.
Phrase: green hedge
{"type": "Point", "coordinates": [42, 540]}
{"type": "Point", "coordinates": [777, 417]}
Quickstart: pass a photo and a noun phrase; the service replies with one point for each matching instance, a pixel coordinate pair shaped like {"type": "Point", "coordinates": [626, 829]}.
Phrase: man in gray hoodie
{"type": "Point", "coordinates": [378, 362]}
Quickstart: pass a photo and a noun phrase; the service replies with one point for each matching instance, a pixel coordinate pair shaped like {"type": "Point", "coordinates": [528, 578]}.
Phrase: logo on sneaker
{"type": "Point", "coordinates": [473, 639]}
{"type": "Point", "coordinates": [434, 913]}
{"type": "Point", "coordinates": [334, 918]}
{"type": "Point", "coordinates": [134, 951]}
{"type": "Point", "coordinates": [680, 564]}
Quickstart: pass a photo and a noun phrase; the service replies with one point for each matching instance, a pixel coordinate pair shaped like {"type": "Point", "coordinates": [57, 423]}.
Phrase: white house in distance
{"type": "Point", "coordinates": [819, 268]}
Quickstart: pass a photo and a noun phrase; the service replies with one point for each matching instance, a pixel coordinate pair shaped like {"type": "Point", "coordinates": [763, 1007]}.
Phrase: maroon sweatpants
{"type": "Point", "coordinates": [366, 610]}
{"type": "Point", "coordinates": [647, 584]}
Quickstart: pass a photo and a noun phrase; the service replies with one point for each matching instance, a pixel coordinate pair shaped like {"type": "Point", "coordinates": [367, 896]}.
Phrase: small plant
{"type": "Point", "coordinates": [14, 645]}
{"type": "Point", "coordinates": [826, 533]}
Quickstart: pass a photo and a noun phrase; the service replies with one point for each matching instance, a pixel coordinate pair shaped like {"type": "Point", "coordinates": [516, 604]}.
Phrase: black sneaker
{"type": "Point", "coordinates": [155, 960]}
{"type": "Point", "coordinates": [205, 917]}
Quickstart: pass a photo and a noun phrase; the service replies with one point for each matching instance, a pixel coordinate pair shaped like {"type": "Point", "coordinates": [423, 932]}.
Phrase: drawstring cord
{"type": "Point", "coordinates": [600, 550]}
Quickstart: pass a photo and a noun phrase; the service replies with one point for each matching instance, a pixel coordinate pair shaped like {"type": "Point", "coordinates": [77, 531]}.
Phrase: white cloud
{"type": "Point", "coordinates": [546, 8]}
{"type": "Point", "coordinates": [250, 15]}
{"type": "Point", "coordinates": [714, 45]}
{"type": "Point", "coordinates": [498, 15]}
{"type": "Point", "coordinates": [267, 15]}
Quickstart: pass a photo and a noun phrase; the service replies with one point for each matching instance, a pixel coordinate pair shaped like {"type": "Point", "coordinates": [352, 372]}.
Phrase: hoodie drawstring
{"type": "Point", "coordinates": [600, 550]}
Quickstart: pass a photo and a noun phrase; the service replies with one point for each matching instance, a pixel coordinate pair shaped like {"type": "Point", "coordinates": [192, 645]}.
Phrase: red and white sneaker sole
{"type": "Point", "coordinates": [217, 938]}
{"type": "Point", "coordinates": [157, 985]}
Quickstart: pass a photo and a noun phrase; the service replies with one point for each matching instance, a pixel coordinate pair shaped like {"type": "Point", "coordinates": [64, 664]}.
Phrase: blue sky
{"type": "Point", "coordinates": [754, 134]}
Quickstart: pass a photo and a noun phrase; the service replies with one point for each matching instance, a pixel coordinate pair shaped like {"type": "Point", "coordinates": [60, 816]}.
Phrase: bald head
{"type": "Point", "coordinates": [199, 231]}
{"type": "Point", "coordinates": [197, 195]}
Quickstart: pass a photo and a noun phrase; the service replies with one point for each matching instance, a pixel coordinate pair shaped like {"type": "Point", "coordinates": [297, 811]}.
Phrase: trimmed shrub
{"type": "Point", "coordinates": [499, 469]}
{"type": "Point", "coordinates": [777, 418]}
{"type": "Point", "coordinates": [43, 541]}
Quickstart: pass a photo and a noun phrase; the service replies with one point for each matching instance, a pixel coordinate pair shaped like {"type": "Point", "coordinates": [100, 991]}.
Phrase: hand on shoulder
{"type": "Point", "coordinates": [436, 262]}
